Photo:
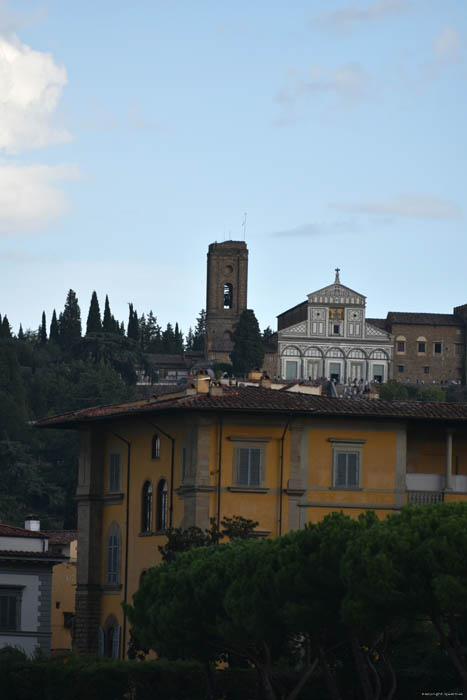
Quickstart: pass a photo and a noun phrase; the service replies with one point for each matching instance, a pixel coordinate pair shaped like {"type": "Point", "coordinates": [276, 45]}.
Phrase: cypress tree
{"type": "Point", "coordinates": [133, 326]}
{"type": "Point", "coordinates": [6, 328]}
{"type": "Point", "coordinates": [108, 323]}
{"type": "Point", "coordinates": [93, 324]}
{"type": "Point", "coordinates": [20, 332]}
{"type": "Point", "coordinates": [53, 333]}
{"type": "Point", "coordinates": [178, 340]}
{"type": "Point", "coordinates": [248, 349]}
{"type": "Point", "coordinates": [70, 321]}
{"type": "Point", "coordinates": [43, 329]}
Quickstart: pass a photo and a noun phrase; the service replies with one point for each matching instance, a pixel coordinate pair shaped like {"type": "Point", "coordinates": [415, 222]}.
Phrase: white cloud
{"type": "Point", "coordinates": [411, 206]}
{"type": "Point", "coordinates": [30, 88]}
{"type": "Point", "coordinates": [348, 18]}
{"type": "Point", "coordinates": [318, 229]}
{"type": "Point", "coordinates": [347, 85]}
{"type": "Point", "coordinates": [447, 45]}
{"type": "Point", "coordinates": [29, 197]}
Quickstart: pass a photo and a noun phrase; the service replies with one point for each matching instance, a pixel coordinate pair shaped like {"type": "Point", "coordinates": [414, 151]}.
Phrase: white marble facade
{"type": "Point", "coordinates": [335, 341]}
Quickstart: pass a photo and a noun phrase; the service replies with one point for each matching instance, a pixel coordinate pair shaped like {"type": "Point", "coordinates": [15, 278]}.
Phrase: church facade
{"type": "Point", "coordinates": [328, 336]}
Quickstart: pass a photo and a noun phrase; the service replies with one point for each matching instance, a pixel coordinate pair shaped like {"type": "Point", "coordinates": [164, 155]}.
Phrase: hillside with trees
{"type": "Point", "coordinates": [68, 363]}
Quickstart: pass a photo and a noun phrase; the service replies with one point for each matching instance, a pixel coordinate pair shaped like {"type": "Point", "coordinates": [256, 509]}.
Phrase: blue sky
{"type": "Point", "coordinates": [132, 135]}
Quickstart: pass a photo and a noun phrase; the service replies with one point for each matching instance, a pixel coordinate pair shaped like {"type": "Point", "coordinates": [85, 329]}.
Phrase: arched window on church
{"type": "Point", "coordinates": [228, 295]}
{"type": "Point", "coordinates": [162, 505]}
{"type": "Point", "coordinates": [146, 507]}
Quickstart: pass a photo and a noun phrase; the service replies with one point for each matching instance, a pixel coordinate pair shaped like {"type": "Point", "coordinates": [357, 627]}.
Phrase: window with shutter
{"type": "Point", "coordinates": [346, 463]}
{"type": "Point", "coordinates": [249, 466]}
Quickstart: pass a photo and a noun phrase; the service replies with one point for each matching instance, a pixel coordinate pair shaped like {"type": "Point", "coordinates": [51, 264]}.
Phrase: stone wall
{"type": "Point", "coordinates": [412, 365]}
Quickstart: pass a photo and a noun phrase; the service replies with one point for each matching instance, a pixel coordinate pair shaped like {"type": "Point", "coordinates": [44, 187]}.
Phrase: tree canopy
{"type": "Point", "coordinates": [248, 351]}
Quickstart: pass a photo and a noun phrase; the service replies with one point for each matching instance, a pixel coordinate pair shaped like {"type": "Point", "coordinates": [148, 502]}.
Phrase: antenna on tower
{"type": "Point", "coordinates": [244, 226]}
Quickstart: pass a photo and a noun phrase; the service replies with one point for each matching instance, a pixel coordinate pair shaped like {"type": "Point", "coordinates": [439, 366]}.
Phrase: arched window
{"type": "Point", "coordinates": [109, 638]}
{"type": "Point", "coordinates": [162, 503]}
{"type": "Point", "coordinates": [114, 549]}
{"type": "Point", "coordinates": [228, 295]}
{"type": "Point", "coordinates": [156, 446]}
{"type": "Point", "coordinates": [146, 507]}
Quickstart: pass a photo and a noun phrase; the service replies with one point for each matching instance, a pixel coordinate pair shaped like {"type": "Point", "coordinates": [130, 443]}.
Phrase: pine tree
{"type": "Point", "coordinates": [54, 332]}
{"type": "Point", "coordinates": [133, 327]}
{"type": "Point", "coordinates": [200, 331]}
{"type": "Point", "coordinates": [142, 333]}
{"type": "Point", "coordinates": [70, 322]}
{"type": "Point", "coordinates": [153, 333]}
{"type": "Point", "coordinates": [20, 332]}
{"type": "Point", "coordinates": [43, 329]}
{"type": "Point", "coordinates": [94, 324]}
{"type": "Point", "coordinates": [168, 340]}
{"type": "Point", "coordinates": [248, 349]}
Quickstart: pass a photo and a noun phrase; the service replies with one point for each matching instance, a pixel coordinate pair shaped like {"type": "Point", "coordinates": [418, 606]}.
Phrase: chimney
{"type": "Point", "coordinates": [32, 523]}
{"type": "Point", "coordinates": [201, 381]}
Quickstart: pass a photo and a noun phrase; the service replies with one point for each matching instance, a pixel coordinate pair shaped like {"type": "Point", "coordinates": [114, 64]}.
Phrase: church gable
{"type": "Point", "coordinates": [374, 332]}
{"type": "Point", "coordinates": [337, 293]}
{"type": "Point", "coordinates": [297, 329]}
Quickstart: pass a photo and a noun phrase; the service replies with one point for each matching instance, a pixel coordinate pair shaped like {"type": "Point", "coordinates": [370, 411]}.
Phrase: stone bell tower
{"type": "Point", "coordinates": [226, 296]}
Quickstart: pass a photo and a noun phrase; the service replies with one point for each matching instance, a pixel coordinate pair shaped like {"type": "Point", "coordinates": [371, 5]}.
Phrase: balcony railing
{"type": "Point", "coordinates": [424, 498]}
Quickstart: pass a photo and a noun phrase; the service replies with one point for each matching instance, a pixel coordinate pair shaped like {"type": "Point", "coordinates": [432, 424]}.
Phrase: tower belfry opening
{"type": "Point", "coordinates": [226, 296]}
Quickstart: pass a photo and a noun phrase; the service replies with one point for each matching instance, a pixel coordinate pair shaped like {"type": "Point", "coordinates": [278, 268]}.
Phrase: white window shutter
{"type": "Point", "coordinates": [100, 641]}
{"type": "Point", "coordinates": [255, 467]}
{"type": "Point", "coordinates": [243, 454]}
{"type": "Point", "coordinates": [116, 642]}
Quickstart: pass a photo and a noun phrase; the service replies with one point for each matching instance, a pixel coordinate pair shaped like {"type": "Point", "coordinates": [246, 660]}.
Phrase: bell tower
{"type": "Point", "coordinates": [226, 296]}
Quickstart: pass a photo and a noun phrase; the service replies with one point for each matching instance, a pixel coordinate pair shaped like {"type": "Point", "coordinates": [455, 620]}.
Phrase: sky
{"type": "Point", "coordinates": [133, 135]}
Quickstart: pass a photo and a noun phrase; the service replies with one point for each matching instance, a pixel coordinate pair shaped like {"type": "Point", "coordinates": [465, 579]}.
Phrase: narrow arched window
{"type": "Point", "coordinates": [228, 296]}
{"type": "Point", "coordinates": [162, 505]}
{"type": "Point", "coordinates": [146, 507]}
{"type": "Point", "coordinates": [156, 446]}
{"type": "Point", "coordinates": [114, 548]}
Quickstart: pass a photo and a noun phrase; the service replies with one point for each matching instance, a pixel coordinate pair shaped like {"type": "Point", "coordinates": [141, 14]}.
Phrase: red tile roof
{"type": "Point", "coordinates": [266, 401]}
{"type": "Point", "coordinates": [43, 556]}
{"type": "Point", "coordinates": [61, 536]}
{"type": "Point", "coordinates": [13, 531]}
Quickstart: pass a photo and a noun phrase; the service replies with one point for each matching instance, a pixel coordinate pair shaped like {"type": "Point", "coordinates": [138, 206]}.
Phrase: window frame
{"type": "Point", "coordinates": [162, 505]}
{"type": "Point", "coordinates": [435, 352]}
{"type": "Point", "coordinates": [421, 340]}
{"type": "Point", "coordinates": [247, 442]}
{"type": "Point", "coordinates": [113, 555]}
{"type": "Point", "coordinates": [10, 593]}
{"type": "Point", "coordinates": [250, 483]}
{"type": "Point", "coordinates": [156, 446]}
{"type": "Point", "coordinates": [115, 478]}
{"type": "Point", "coordinates": [147, 507]}
{"type": "Point", "coordinates": [345, 446]}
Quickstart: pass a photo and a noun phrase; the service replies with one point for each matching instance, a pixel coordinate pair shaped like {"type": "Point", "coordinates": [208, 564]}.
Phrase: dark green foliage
{"type": "Point", "coordinates": [94, 324]}
{"type": "Point", "coordinates": [5, 328]}
{"type": "Point", "coordinates": [395, 391]}
{"type": "Point", "coordinates": [109, 324]}
{"type": "Point", "coordinates": [54, 331]}
{"type": "Point", "coordinates": [248, 351]}
{"type": "Point", "coordinates": [267, 334]}
{"type": "Point", "coordinates": [70, 322]}
{"type": "Point", "coordinates": [42, 330]}
{"type": "Point", "coordinates": [200, 332]}
{"type": "Point", "coordinates": [179, 540]}
{"type": "Point", "coordinates": [133, 325]}
{"type": "Point", "coordinates": [219, 368]}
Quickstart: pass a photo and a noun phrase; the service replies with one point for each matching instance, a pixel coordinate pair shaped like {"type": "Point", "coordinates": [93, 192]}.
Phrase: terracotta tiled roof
{"type": "Point", "coordinates": [266, 401]}
{"type": "Point", "coordinates": [13, 531]}
{"type": "Point", "coordinates": [61, 536]}
{"type": "Point", "coordinates": [424, 319]}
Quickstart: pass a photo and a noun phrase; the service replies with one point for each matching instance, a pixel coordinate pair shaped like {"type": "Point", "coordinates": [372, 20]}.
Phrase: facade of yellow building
{"type": "Point", "coordinates": [283, 459]}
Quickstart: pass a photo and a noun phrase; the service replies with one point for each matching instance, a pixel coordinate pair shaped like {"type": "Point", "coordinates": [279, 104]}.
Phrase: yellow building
{"type": "Point", "coordinates": [281, 458]}
{"type": "Point", "coordinates": [63, 542]}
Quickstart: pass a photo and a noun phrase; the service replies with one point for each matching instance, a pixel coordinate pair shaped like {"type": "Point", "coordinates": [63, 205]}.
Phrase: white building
{"type": "Point", "coordinates": [328, 336]}
{"type": "Point", "coordinates": [25, 588]}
